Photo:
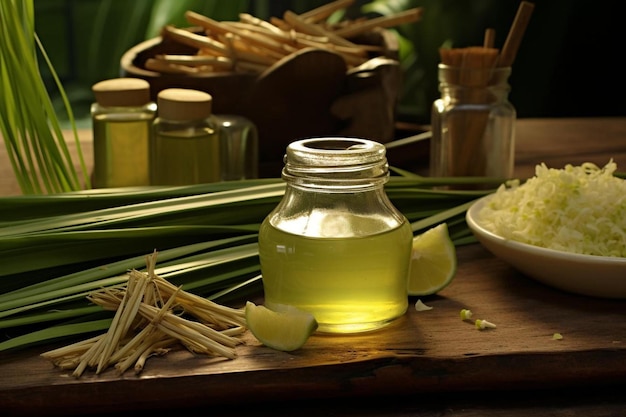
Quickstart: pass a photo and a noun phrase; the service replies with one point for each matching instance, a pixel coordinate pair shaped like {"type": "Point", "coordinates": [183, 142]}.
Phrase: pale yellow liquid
{"type": "Point", "coordinates": [121, 155]}
{"type": "Point", "coordinates": [182, 159]}
{"type": "Point", "coordinates": [350, 284]}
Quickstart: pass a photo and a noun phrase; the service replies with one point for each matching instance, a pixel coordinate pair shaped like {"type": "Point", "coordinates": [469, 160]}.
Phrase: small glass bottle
{"type": "Point", "coordinates": [185, 148]}
{"type": "Point", "coordinates": [122, 117]}
{"type": "Point", "coordinates": [473, 124]}
{"type": "Point", "coordinates": [335, 245]}
{"type": "Point", "coordinates": [239, 143]}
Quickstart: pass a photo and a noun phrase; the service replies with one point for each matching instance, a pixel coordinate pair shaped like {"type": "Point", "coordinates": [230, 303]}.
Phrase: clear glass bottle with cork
{"type": "Point", "coordinates": [122, 117]}
{"type": "Point", "coordinates": [335, 245]}
{"type": "Point", "coordinates": [185, 147]}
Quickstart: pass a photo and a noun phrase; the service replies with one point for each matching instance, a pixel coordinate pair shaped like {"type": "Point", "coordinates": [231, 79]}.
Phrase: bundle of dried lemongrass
{"type": "Point", "coordinates": [474, 68]}
{"type": "Point", "coordinates": [253, 45]}
{"type": "Point", "coordinates": [150, 320]}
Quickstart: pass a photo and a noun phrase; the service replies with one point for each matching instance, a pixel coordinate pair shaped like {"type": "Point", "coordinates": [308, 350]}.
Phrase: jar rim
{"type": "Point", "coordinates": [334, 151]}
{"type": "Point", "coordinates": [333, 160]}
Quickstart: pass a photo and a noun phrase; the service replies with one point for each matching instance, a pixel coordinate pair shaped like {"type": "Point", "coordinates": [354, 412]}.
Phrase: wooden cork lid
{"type": "Point", "coordinates": [184, 104]}
{"type": "Point", "coordinates": [122, 92]}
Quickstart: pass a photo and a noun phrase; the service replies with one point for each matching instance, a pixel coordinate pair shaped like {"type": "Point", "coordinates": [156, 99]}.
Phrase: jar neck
{"type": "Point", "coordinates": [335, 165]}
{"type": "Point", "coordinates": [474, 85]}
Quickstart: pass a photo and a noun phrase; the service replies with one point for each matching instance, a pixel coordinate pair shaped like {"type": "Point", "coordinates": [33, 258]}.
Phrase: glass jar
{"type": "Point", "coordinates": [239, 143]}
{"type": "Point", "coordinates": [122, 117]}
{"type": "Point", "coordinates": [185, 148]}
{"type": "Point", "coordinates": [335, 245]}
{"type": "Point", "coordinates": [473, 124]}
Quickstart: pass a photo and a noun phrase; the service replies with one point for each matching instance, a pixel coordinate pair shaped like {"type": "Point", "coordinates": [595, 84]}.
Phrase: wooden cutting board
{"type": "Point", "coordinates": [429, 351]}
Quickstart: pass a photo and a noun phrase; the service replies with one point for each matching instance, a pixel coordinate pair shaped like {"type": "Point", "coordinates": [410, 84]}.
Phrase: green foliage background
{"type": "Point", "coordinates": [86, 38]}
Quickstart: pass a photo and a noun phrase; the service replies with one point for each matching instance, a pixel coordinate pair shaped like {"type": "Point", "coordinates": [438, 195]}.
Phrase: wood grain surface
{"type": "Point", "coordinates": [428, 363]}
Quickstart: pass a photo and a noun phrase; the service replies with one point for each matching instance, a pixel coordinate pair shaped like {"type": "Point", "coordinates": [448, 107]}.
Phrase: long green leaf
{"type": "Point", "coordinates": [28, 123]}
{"type": "Point", "coordinates": [55, 333]}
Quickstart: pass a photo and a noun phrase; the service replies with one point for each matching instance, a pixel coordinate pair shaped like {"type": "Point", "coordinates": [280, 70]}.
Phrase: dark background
{"type": "Point", "coordinates": [569, 63]}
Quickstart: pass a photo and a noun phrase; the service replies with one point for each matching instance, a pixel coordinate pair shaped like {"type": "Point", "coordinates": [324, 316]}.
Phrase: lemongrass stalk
{"type": "Point", "coordinates": [150, 212]}
{"type": "Point", "coordinates": [440, 217]}
{"type": "Point", "coordinates": [85, 204]}
{"type": "Point", "coordinates": [55, 332]}
{"type": "Point", "coordinates": [84, 170]}
{"type": "Point", "coordinates": [195, 305]}
{"type": "Point", "coordinates": [168, 258]}
{"type": "Point", "coordinates": [128, 310]}
{"type": "Point", "coordinates": [158, 348]}
{"type": "Point", "coordinates": [26, 207]}
{"type": "Point", "coordinates": [47, 299]}
{"type": "Point", "coordinates": [147, 348]}
{"type": "Point", "coordinates": [236, 288]}
{"type": "Point", "coordinates": [70, 350]}
{"type": "Point", "coordinates": [126, 350]}
{"type": "Point", "coordinates": [31, 131]}
{"type": "Point", "coordinates": [67, 363]}
{"type": "Point", "coordinates": [187, 335]}
{"type": "Point", "coordinates": [16, 320]}
{"type": "Point", "coordinates": [152, 313]}
{"type": "Point", "coordinates": [60, 312]}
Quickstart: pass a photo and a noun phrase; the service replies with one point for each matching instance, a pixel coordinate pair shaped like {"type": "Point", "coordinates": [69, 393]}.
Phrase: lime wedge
{"type": "Point", "coordinates": [286, 329]}
{"type": "Point", "coordinates": [433, 261]}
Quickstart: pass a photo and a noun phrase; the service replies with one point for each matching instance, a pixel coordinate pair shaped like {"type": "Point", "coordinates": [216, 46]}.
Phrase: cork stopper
{"type": "Point", "coordinates": [122, 92]}
{"type": "Point", "coordinates": [184, 104]}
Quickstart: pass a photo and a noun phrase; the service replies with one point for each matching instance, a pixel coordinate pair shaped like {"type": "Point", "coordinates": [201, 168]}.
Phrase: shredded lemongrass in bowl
{"type": "Point", "coordinates": [577, 209]}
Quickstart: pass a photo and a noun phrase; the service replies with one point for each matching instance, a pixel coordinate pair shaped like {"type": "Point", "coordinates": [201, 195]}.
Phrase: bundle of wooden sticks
{"type": "Point", "coordinates": [253, 45]}
{"type": "Point", "coordinates": [473, 69]}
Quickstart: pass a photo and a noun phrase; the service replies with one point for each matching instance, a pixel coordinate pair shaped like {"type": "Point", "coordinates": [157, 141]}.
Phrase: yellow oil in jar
{"type": "Point", "coordinates": [180, 158]}
{"type": "Point", "coordinates": [350, 284]}
{"type": "Point", "coordinates": [121, 156]}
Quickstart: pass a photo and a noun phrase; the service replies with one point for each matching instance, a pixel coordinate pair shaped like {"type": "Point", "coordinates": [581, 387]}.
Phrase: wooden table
{"type": "Point", "coordinates": [426, 364]}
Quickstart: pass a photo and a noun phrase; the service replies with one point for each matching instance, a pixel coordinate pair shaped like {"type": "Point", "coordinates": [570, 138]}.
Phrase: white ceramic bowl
{"type": "Point", "coordinates": [597, 276]}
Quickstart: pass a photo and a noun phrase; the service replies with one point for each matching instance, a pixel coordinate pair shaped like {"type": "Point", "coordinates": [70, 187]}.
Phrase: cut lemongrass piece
{"type": "Point", "coordinates": [484, 324]}
{"type": "Point", "coordinates": [420, 306]}
{"type": "Point", "coordinates": [466, 314]}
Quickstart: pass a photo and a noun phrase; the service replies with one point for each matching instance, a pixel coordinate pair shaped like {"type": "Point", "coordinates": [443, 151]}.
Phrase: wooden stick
{"type": "Point", "coordinates": [490, 38]}
{"type": "Point", "coordinates": [255, 21]}
{"type": "Point", "coordinates": [324, 11]}
{"type": "Point", "coordinates": [196, 60]}
{"type": "Point", "coordinates": [205, 22]}
{"type": "Point", "coordinates": [299, 24]}
{"type": "Point", "coordinates": [194, 40]}
{"type": "Point", "coordinates": [222, 28]}
{"type": "Point", "coordinates": [407, 16]}
{"type": "Point", "coordinates": [241, 51]}
{"type": "Point", "coordinates": [280, 23]}
{"type": "Point", "coordinates": [516, 33]}
{"type": "Point", "coordinates": [162, 66]}
{"type": "Point", "coordinates": [353, 57]}
{"type": "Point", "coordinates": [260, 39]}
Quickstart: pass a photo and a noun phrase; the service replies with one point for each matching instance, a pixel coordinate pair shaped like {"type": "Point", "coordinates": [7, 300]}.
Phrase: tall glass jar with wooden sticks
{"type": "Point", "coordinates": [473, 122]}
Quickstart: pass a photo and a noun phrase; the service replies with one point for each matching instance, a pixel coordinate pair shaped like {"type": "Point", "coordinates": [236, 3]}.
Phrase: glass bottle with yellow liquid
{"type": "Point", "coordinates": [335, 245]}
{"type": "Point", "coordinates": [185, 148]}
{"type": "Point", "coordinates": [122, 117]}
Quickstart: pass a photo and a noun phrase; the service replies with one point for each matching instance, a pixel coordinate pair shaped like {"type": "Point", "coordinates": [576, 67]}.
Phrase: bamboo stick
{"type": "Point", "coordinates": [490, 38]}
{"type": "Point", "coordinates": [248, 18]}
{"type": "Point", "coordinates": [253, 45]}
{"type": "Point", "coordinates": [311, 29]}
{"type": "Point", "coordinates": [404, 17]}
{"type": "Point", "coordinates": [194, 40]}
{"type": "Point", "coordinates": [516, 33]}
{"type": "Point", "coordinates": [323, 12]}
{"type": "Point", "coordinates": [196, 60]}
